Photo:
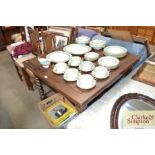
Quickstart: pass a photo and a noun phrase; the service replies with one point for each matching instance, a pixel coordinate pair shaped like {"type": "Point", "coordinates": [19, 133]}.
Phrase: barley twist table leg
{"type": "Point", "coordinates": [40, 88]}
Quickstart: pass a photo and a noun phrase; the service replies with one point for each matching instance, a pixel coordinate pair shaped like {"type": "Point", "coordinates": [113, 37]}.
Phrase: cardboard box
{"type": "Point", "coordinates": [57, 110]}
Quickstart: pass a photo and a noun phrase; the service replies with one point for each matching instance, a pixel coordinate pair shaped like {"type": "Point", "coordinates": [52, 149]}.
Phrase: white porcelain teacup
{"type": "Point", "coordinates": [86, 66]}
{"type": "Point", "coordinates": [86, 81]}
{"type": "Point", "coordinates": [100, 72]}
{"type": "Point", "coordinates": [91, 56]}
{"type": "Point", "coordinates": [74, 61]}
{"type": "Point", "coordinates": [44, 62]}
{"type": "Point", "coordinates": [60, 68]}
{"type": "Point", "coordinates": [71, 74]}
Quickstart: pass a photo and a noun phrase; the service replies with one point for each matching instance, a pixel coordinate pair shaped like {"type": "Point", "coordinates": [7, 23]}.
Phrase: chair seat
{"type": "Point", "coordinates": [19, 61]}
{"type": "Point", "coordinates": [11, 47]}
{"type": "Point", "coordinates": [23, 58]}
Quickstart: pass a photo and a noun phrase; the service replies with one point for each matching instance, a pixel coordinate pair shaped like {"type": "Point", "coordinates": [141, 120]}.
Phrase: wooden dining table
{"type": "Point", "coordinates": [80, 98]}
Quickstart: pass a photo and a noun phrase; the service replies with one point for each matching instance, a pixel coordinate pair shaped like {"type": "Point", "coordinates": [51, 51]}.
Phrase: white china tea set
{"type": "Point", "coordinates": [84, 72]}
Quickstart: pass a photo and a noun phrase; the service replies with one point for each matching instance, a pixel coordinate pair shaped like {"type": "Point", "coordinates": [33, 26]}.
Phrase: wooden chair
{"type": "Point", "coordinates": [144, 41]}
{"type": "Point", "coordinates": [121, 35]}
{"type": "Point", "coordinates": [24, 74]}
{"type": "Point", "coordinates": [18, 63]}
{"type": "Point", "coordinates": [48, 46]}
{"type": "Point", "coordinates": [48, 42]}
{"type": "Point", "coordinates": [35, 41]}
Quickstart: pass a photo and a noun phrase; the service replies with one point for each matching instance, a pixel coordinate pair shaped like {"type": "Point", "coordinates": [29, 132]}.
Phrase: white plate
{"type": "Point", "coordinates": [74, 61]}
{"type": "Point", "coordinates": [77, 49]}
{"type": "Point", "coordinates": [86, 66]}
{"type": "Point", "coordinates": [100, 72]}
{"type": "Point", "coordinates": [91, 56]}
{"type": "Point", "coordinates": [71, 74]}
{"type": "Point", "coordinates": [59, 56]}
{"type": "Point", "coordinates": [115, 51]}
{"type": "Point", "coordinates": [86, 81]}
{"type": "Point", "coordinates": [109, 62]}
{"type": "Point", "coordinates": [60, 68]}
{"type": "Point", "coordinates": [82, 40]}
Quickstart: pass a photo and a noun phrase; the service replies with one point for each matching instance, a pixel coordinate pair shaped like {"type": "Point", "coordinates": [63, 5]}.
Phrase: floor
{"type": "Point", "coordinates": [18, 106]}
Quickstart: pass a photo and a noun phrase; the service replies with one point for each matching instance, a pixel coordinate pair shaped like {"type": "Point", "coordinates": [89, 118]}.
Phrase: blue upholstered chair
{"type": "Point", "coordinates": [87, 32]}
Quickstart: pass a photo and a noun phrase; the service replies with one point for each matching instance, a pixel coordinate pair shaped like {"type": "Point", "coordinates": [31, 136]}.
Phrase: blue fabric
{"type": "Point", "coordinates": [133, 48]}
{"type": "Point", "coordinates": [86, 32]}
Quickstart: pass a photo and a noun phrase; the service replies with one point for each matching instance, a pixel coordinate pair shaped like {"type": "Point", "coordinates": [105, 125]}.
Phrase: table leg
{"type": "Point", "coordinates": [81, 108]}
{"type": "Point", "coordinates": [40, 88]}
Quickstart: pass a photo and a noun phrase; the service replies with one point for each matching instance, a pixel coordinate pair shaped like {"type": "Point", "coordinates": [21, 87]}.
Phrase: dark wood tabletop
{"type": "Point", "coordinates": [79, 97]}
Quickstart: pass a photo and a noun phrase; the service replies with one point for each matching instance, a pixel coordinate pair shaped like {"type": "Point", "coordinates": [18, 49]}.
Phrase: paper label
{"type": "Point", "coordinates": [139, 119]}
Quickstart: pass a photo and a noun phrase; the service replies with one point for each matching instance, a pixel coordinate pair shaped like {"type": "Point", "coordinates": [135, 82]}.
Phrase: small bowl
{"type": "Point", "coordinates": [44, 62]}
{"type": "Point", "coordinates": [100, 72]}
{"type": "Point", "coordinates": [60, 68]}
{"type": "Point", "coordinates": [74, 61]}
{"type": "Point", "coordinates": [86, 66]}
{"type": "Point", "coordinates": [91, 56]}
